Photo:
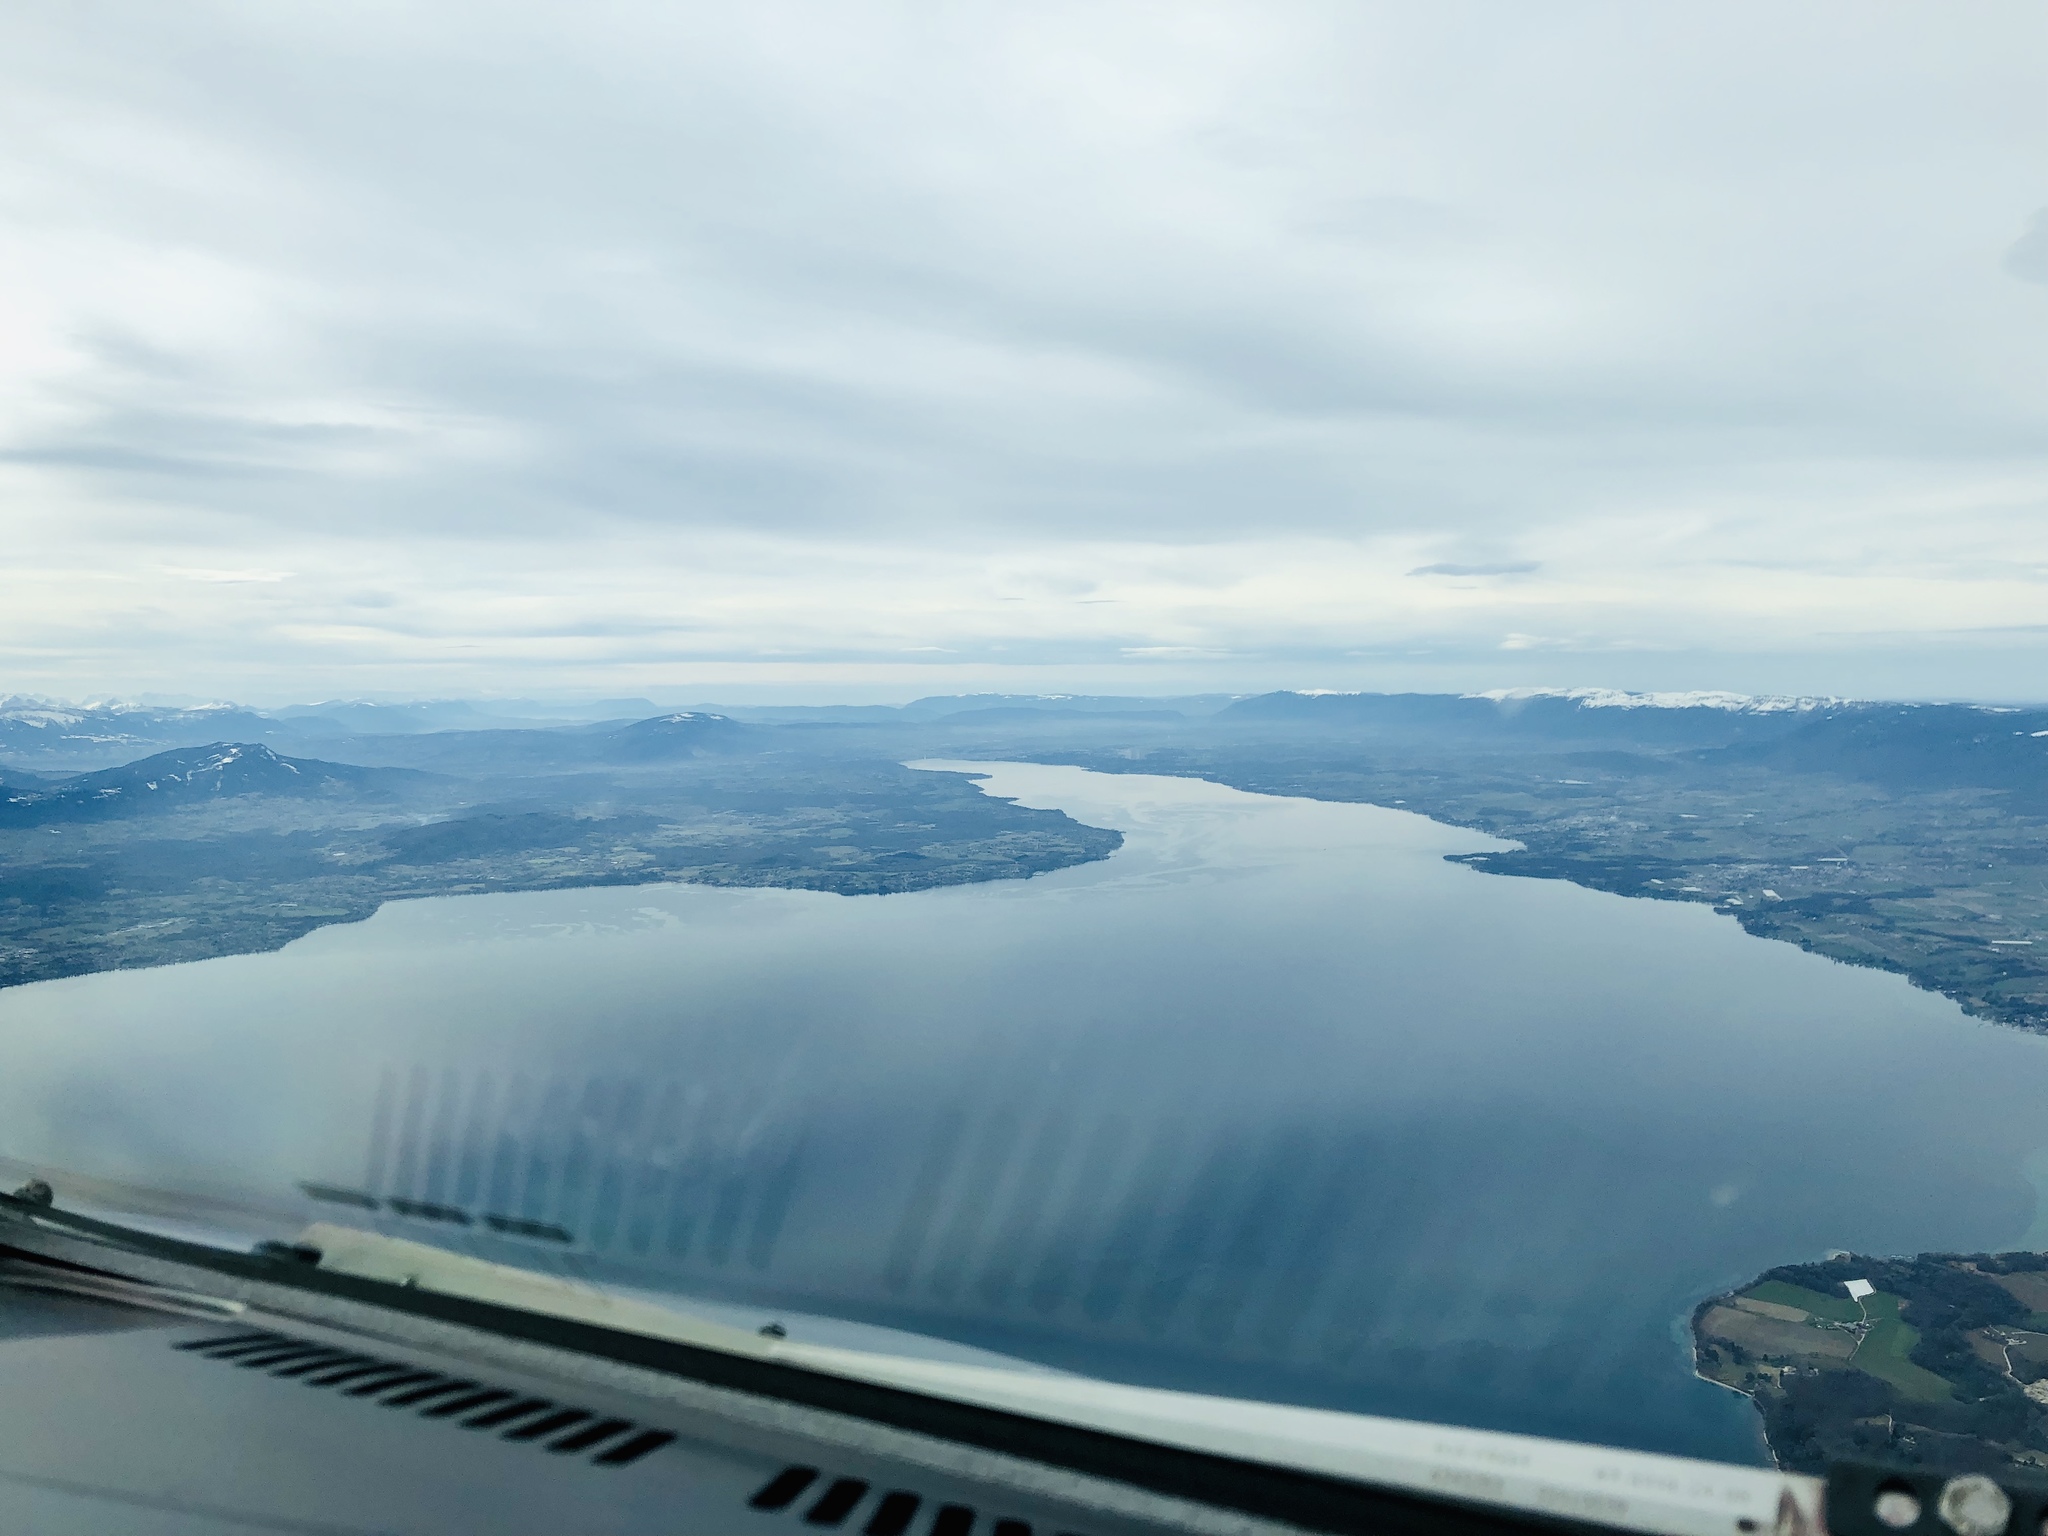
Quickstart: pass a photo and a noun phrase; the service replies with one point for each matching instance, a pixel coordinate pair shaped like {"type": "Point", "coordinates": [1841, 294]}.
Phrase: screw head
{"type": "Point", "coordinates": [1897, 1508]}
{"type": "Point", "coordinates": [1974, 1506]}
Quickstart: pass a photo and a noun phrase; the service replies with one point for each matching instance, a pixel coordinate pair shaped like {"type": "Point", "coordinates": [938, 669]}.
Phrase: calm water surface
{"type": "Point", "coordinates": [1274, 1101]}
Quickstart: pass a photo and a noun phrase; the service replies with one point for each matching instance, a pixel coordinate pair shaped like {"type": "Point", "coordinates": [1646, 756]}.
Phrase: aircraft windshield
{"type": "Point", "coordinates": [1337, 706]}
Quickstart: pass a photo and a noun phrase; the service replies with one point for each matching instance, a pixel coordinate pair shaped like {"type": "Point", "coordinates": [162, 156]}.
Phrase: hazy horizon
{"type": "Point", "coordinates": [591, 705]}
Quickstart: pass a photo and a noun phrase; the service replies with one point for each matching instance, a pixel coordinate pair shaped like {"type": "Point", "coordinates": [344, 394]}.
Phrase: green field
{"type": "Point", "coordinates": [1885, 1348]}
{"type": "Point", "coordinates": [1835, 1309]}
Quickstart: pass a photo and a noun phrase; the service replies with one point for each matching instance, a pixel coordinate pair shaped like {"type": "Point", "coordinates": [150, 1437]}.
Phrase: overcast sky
{"type": "Point", "coordinates": [858, 351]}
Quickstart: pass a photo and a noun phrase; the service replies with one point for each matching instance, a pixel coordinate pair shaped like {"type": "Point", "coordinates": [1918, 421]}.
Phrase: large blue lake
{"type": "Point", "coordinates": [1274, 1101]}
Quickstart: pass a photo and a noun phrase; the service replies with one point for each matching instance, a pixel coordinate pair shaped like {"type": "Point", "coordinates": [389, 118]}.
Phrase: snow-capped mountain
{"type": "Point", "coordinates": [1615, 698]}
{"type": "Point", "coordinates": [43, 735]}
{"type": "Point", "coordinates": [191, 775]}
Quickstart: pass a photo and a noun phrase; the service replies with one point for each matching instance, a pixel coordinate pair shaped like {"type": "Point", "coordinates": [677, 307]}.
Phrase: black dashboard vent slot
{"type": "Point", "coordinates": [448, 1408]}
{"type": "Point", "coordinates": [455, 1399]}
{"type": "Point", "coordinates": [505, 1413]}
{"type": "Point", "coordinates": [547, 1424]}
{"type": "Point", "coordinates": [439, 1387]}
{"type": "Point", "coordinates": [630, 1450]}
{"type": "Point", "coordinates": [591, 1435]}
{"type": "Point", "coordinates": [389, 1379]}
{"type": "Point", "coordinates": [892, 1515]}
{"type": "Point", "coordinates": [836, 1502]}
{"type": "Point", "coordinates": [782, 1489]}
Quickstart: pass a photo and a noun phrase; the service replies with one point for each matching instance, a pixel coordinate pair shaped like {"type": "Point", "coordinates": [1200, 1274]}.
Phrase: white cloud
{"type": "Point", "coordinates": [651, 343]}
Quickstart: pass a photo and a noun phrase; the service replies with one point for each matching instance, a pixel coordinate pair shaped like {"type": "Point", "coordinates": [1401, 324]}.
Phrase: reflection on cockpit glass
{"type": "Point", "coordinates": [1269, 756]}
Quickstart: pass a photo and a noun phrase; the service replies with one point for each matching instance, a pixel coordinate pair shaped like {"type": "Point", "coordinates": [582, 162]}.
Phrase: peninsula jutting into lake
{"type": "Point", "coordinates": [1937, 1361]}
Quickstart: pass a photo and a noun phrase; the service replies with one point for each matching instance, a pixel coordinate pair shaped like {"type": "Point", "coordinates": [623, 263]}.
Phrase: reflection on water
{"type": "Point", "coordinates": [1274, 1101]}
{"type": "Point", "coordinates": [617, 1167]}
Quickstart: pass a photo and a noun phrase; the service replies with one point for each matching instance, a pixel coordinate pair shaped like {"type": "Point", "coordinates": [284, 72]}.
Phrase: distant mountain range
{"type": "Point", "coordinates": [197, 775]}
{"type": "Point", "coordinates": [1900, 747]}
{"type": "Point", "coordinates": [1897, 746]}
{"type": "Point", "coordinates": [1917, 747]}
{"type": "Point", "coordinates": [361, 717]}
{"type": "Point", "coordinates": [38, 736]}
{"type": "Point", "coordinates": [64, 738]}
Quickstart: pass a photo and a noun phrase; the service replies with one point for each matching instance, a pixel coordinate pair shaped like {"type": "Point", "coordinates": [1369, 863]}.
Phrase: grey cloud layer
{"type": "Point", "coordinates": [1616, 299]}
